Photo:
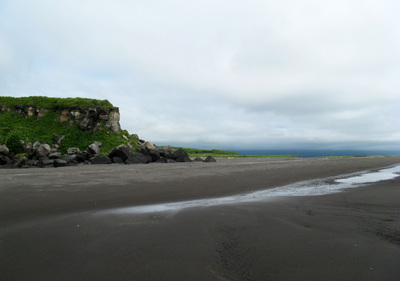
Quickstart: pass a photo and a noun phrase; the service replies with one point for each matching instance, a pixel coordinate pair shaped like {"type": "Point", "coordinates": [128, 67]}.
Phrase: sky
{"type": "Point", "coordinates": [236, 74]}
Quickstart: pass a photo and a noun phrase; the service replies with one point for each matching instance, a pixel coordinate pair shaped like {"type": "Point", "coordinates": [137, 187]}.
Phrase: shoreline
{"type": "Point", "coordinates": [51, 226]}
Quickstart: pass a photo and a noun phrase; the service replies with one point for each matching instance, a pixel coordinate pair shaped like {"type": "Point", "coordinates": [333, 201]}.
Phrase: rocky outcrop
{"type": "Point", "coordinates": [44, 155]}
{"type": "Point", "coordinates": [88, 119]}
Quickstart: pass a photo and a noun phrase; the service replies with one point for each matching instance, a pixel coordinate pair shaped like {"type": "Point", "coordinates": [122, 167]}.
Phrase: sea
{"type": "Point", "coordinates": [308, 153]}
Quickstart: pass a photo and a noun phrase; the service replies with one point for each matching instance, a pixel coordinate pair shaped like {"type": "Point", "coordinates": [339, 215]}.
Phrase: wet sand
{"type": "Point", "coordinates": [52, 224]}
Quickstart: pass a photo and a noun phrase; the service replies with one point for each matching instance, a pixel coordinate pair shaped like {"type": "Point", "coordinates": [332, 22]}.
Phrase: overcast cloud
{"type": "Point", "coordinates": [217, 74]}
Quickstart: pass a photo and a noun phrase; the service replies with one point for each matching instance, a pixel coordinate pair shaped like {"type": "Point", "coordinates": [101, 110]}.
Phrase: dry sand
{"type": "Point", "coordinates": [53, 225]}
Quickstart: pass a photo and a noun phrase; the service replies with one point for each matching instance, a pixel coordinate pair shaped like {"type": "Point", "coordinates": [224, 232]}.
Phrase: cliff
{"type": "Point", "coordinates": [86, 113]}
{"type": "Point", "coordinates": [81, 121]}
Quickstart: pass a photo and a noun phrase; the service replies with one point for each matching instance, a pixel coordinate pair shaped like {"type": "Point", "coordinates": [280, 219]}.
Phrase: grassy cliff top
{"type": "Point", "coordinates": [46, 102]}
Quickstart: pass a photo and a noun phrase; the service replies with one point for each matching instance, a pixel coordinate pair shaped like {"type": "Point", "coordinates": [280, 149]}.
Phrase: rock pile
{"type": "Point", "coordinates": [44, 155]}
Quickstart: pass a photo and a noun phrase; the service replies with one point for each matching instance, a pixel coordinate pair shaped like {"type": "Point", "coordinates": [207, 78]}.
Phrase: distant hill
{"type": "Point", "coordinates": [81, 121]}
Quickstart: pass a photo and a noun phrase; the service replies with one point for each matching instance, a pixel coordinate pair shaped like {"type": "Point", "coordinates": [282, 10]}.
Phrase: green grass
{"type": "Point", "coordinates": [193, 152]}
{"type": "Point", "coordinates": [46, 102]}
{"type": "Point", "coordinates": [32, 129]}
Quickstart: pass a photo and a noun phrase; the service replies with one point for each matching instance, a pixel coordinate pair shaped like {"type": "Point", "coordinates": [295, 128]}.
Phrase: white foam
{"type": "Point", "coordinates": [385, 174]}
{"type": "Point", "coordinates": [307, 188]}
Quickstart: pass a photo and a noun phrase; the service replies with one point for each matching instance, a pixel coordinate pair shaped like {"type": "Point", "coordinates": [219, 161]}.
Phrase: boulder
{"type": "Point", "coordinates": [73, 150]}
{"type": "Point", "coordinates": [83, 156]}
{"type": "Point", "coordinates": [138, 158]}
{"type": "Point", "coordinates": [45, 162]}
{"type": "Point", "coordinates": [55, 155]}
{"type": "Point", "coordinates": [146, 146]}
{"type": "Point", "coordinates": [99, 144]}
{"type": "Point", "coordinates": [166, 151]}
{"type": "Point", "coordinates": [94, 149]}
{"type": "Point", "coordinates": [58, 138]}
{"type": "Point", "coordinates": [210, 159]}
{"type": "Point", "coordinates": [71, 159]}
{"type": "Point", "coordinates": [5, 161]}
{"type": "Point", "coordinates": [198, 159]}
{"type": "Point", "coordinates": [121, 151]}
{"type": "Point", "coordinates": [100, 159]}
{"type": "Point", "coordinates": [154, 154]}
{"type": "Point", "coordinates": [161, 160]}
{"type": "Point", "coordinates": [42, 151]}
{"type": "Point", "coordinates": [181, 156]}
{"type": "Point", "coordinates": [36, 144]}
{"type": "Point", "coordinates": [60, 163]}
{"type": "Point", "coordinates": [4, 150]}
{"type": "Point", "coordinates": [117, 160]}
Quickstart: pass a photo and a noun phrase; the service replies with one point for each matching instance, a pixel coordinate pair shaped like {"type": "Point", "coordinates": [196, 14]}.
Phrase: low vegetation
{"type": "Point", "coordinates": [46, 102]}
{"type": "Point", "coordinates": [193, 152]}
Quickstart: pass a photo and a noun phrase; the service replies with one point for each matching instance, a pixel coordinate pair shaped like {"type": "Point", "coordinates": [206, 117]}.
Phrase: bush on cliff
{"type": "Point", "coordinates": [13, 142]}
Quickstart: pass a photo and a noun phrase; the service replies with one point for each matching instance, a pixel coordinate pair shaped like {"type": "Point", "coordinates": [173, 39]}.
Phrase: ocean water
{"type": "Point", "coordinates": [307, 153]}
{"type": "Point", "coordinates": [306, 188]}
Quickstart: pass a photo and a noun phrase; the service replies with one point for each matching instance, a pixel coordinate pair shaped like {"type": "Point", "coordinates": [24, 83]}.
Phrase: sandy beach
{"type": "Point", "coordinates": [75, 223]}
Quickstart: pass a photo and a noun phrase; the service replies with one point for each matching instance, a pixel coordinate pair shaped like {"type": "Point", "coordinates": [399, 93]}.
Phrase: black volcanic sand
{"type": "Point", "coordinates": [51, 227]}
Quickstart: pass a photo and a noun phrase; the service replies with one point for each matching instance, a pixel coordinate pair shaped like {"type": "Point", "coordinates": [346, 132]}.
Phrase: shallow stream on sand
{"type": "Point", "coordinates": [305, 188]}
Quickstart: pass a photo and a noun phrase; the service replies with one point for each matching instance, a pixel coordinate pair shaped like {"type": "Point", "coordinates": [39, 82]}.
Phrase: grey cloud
{"type": "Point", "coordinates": [261, 73]}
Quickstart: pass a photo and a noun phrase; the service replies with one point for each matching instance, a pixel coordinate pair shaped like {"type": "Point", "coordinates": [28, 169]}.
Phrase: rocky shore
{"type": "Point", "coordinates": [44, 155]}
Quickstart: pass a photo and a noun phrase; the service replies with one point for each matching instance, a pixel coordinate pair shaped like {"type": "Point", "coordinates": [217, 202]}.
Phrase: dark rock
{"type": "Point", "coordinates": [154, 154]}
{"type": "Point", "coordinates": [5, 161]}
{"type": "Point", "coordinates": [100, 159]}
{"type": "Point", "coordinates": [138, 158]}
{"type": "Point", "coordinates": [181, 156]}
{"type": "Point", "coordinates": [166, 151]}
{"type": "Point", "coordinates": [161, 160]}
{"type": "Point", "coordinates": [169, 150]}
{"type": "Point", "coordinates": [73, 150]}
{"type": "Point", "coordinates": [117, 160]}
{"type": "Point", "coordinates": [198, 159]}
{"type": "Point", "coordinates": [43, 151]}
{"type": "Point", "coordinates": [70, 159]}
{"type": "Point", "coordinates": [94, 149]}
{"type": "Point", "coordinates": [45, 162]}
{"type": "Point", "coordinates": [4, 150]}
{"type": "Point", "coordinates": [55, 155]}
{"type": "Point", "coordinates": [83, 156]}
{"type": "Point", "coordinates": [60, 163]}
{"type": "Point", "coordinates": [120, 151]}
{"type": "Point", "coordinates": [210, 159]}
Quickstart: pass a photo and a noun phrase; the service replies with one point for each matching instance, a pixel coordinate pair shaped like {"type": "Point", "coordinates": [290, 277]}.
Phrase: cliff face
{"type": "Point", "coordinates": [88, 118]}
